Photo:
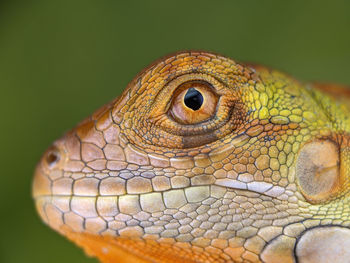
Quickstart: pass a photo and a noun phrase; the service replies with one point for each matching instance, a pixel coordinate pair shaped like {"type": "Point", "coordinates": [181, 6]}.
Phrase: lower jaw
{"type": "Point", "coordinates": [319, 244]}
{"type": "Point", "coordinates": [83, 219]}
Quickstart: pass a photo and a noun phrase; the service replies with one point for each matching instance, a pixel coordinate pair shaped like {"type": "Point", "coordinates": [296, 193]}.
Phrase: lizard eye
{"type": "Point", "coordinates": [193, 102]}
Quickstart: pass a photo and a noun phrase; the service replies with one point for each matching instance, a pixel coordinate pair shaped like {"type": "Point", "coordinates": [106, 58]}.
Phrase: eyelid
{"type": "Point", "coordinates": [159, 118]}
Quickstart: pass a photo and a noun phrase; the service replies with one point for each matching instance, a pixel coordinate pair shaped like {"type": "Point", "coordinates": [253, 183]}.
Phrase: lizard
{"type": "Point", "coordinates": [205, 159]}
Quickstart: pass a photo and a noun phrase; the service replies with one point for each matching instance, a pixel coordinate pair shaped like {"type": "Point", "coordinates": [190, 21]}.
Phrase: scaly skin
{"type": "Point", "coordinates": [265, 178]}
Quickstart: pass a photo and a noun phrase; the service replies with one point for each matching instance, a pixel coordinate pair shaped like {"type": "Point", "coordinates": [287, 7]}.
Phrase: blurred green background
{"type": "Point", "coordinates": [60, 60]}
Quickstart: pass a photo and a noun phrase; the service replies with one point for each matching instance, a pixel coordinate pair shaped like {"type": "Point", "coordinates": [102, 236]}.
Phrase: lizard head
{"type": "Point", "coordinates": [206, 160]}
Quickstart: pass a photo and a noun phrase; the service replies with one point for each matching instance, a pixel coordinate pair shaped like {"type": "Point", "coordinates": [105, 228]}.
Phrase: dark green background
{"type": "Point", "coordinates": [60, 60]}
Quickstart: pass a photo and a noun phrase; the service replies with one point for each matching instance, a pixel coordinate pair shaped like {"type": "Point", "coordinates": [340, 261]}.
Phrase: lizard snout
{"type": "Point", "coordinates": [47, 170]}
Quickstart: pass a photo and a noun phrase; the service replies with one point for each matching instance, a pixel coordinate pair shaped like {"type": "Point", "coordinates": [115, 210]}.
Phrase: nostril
{"type": "Point", "coordinates": [52, 156]}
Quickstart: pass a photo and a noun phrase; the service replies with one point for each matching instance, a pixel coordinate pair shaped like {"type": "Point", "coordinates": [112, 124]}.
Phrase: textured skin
{"type": "Point", "coordinates": [131, 184]}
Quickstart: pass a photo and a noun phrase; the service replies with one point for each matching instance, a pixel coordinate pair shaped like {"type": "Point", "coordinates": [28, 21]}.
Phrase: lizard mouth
{"type": "Point", "coordinates": [59, 208]}
{"type": "Point", "coordinates": [44, 187]}
{"type": "Point", "coordinates": [81, 212]}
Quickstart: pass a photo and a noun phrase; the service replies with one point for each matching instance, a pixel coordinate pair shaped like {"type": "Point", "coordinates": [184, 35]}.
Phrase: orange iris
{"type": "Point", "coordinates": [194, 102]}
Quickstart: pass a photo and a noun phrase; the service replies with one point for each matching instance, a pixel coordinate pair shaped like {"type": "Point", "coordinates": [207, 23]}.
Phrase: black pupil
{"type": "Point", "coordinates": [193, 99]}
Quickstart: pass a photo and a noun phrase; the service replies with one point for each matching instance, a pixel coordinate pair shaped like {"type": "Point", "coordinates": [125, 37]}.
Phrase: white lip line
{"type": "Point", "coordinates": [257, 187]}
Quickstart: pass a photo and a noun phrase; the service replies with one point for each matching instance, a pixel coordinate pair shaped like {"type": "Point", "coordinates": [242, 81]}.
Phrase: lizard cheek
{"type": "Point", "coordinates": [317, 170]}
{"type": "Point", "coordinates": [193, 102]}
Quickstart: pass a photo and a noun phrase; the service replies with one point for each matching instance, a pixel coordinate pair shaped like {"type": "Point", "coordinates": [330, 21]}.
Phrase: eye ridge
{"type": "Point", "coordinates": [193, 99]}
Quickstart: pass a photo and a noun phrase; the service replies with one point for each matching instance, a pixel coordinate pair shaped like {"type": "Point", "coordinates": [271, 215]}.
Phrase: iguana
{"type": "Point", "coordinates": [203, 159]}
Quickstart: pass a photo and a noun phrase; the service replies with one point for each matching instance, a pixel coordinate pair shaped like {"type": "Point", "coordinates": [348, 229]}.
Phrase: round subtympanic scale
{"type": "Point", "coordinates": [317, 170]}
